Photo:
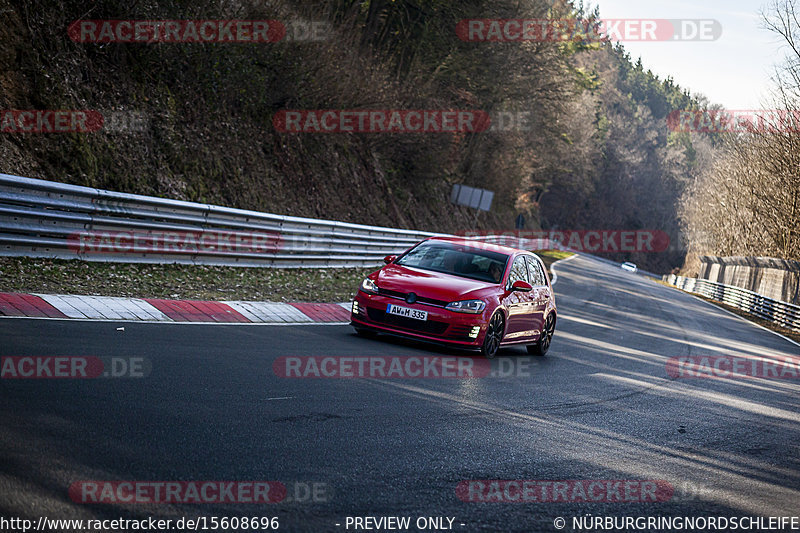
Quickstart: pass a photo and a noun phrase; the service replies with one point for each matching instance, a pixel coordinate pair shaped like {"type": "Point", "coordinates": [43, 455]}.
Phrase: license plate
{"type": "Point", "coordinates": [406, 312]}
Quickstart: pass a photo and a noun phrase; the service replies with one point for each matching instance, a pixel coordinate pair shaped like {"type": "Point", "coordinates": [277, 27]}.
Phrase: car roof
{"type": "Point", "coordinates": [483, 245]}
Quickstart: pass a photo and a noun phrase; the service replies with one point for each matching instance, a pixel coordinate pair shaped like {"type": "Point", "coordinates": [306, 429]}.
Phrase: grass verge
{"type": "Point", "coordinates": [189, 282]}
{"type": "Point", "coordinates": [551, 256]}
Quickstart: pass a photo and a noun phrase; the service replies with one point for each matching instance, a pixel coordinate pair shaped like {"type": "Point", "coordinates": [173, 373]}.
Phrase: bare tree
{"type": "Point", "coordinates": [748, 201]}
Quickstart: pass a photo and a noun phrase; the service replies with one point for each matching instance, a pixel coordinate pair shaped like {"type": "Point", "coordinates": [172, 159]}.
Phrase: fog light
{"type": "Point", "coordinates": [355, 307]}
{"type": "Point", "coordinates": [473, 334]}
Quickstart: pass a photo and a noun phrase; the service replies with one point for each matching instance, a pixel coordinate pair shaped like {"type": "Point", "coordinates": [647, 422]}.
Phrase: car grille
{"type": "Point", "coordinates": [423, 326]}
{"type": "Point", "coordinates": [420, 299]}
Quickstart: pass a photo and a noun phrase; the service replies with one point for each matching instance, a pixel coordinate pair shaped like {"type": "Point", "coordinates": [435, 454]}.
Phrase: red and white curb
{"type": "Point", "coordinates": [67, 306]}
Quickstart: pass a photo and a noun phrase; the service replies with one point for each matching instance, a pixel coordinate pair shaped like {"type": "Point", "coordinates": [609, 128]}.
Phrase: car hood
{"type": "Point", "coordinates": [428, 284]}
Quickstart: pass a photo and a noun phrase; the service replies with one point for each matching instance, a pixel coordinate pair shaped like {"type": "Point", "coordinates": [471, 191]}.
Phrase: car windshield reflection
{"type": "Point", "coordinates": [457, 260]}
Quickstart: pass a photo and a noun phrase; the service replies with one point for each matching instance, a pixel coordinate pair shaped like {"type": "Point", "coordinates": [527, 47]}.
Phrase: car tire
{"type": "Point", "coordinates": [546, 338]}
{"type": "Point", "coordinates": [494, 335]}
{"type": "Point", "coordinates": [366, 333]}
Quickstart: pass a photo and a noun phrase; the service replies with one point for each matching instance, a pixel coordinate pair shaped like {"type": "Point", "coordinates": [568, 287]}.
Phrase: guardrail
{"type": "Point", "coordinates": [41, 218]}
{"type": "Point", "coordinates": [784, 314]}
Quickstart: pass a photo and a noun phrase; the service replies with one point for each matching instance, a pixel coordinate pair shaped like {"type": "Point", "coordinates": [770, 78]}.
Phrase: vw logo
{"type": "Point", "coordinates": [411, 298]}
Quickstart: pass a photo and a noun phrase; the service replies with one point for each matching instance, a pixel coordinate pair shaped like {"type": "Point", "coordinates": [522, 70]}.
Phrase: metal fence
{"type": "Point", "coordinates": [41, 218]}
{"type": "Point", "coordinates": [784, 314]}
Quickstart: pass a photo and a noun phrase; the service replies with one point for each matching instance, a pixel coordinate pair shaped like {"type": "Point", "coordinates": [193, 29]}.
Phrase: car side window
{"type": "Point", "coordinates": [518, 271]}
{"type": "Point", "coordinates": [535, 269]}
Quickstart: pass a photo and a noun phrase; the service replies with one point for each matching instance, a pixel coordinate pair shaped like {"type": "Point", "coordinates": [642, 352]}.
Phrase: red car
{"type": "Point", "coordinates": [460, 292]}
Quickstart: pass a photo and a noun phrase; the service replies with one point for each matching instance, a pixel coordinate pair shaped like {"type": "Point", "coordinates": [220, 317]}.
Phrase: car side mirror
{"type": "Point", "coordinates": [389, 259]}
{"type": "Point", "coordinates": [521, 286]}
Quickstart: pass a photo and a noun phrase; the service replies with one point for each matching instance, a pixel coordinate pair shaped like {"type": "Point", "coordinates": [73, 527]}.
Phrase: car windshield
{"type": "Point", "coordinates": [456, 259]}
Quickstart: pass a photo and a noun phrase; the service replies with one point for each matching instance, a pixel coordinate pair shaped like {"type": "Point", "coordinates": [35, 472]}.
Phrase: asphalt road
{"type": "Point", "coordinates": [600, 406]}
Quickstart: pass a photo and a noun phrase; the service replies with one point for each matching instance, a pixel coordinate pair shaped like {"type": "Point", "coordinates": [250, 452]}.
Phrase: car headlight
{"type": "Point", "coordinates": [369, 286]}
{"type": "Point", "coordinates": [467, 306]}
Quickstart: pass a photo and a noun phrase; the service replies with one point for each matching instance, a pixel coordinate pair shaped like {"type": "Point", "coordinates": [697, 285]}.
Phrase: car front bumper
{"type": "Point", "coordinates": [442, 326]}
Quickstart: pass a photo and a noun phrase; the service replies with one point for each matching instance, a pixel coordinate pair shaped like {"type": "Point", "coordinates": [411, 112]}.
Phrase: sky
{"type": "Point", "coordinates": [734, 71]}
